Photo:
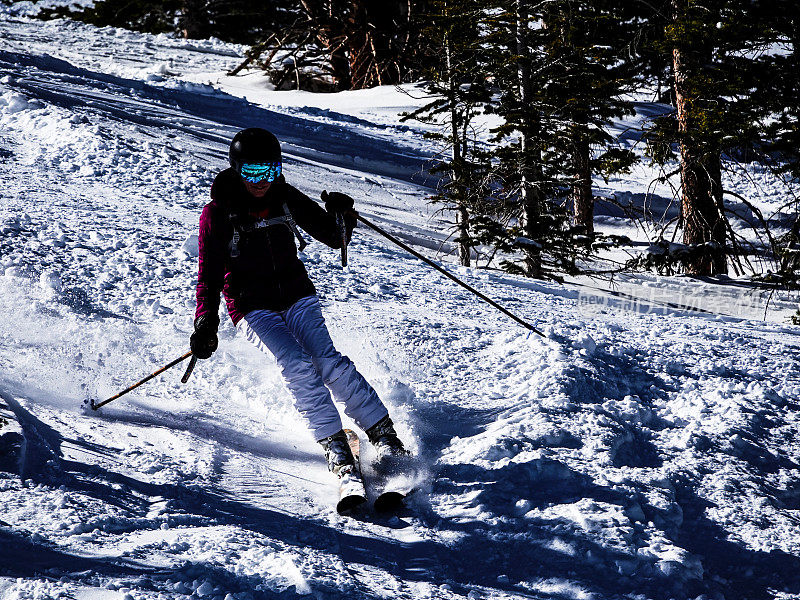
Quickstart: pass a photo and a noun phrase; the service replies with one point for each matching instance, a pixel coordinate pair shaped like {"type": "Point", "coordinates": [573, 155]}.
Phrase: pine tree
{"type": "Point", "coordinates": [519, 76]}
{"type": "Point", "coordinates": [559, 69]}
{"type": "Point", "coordinates": [698, 124]}
{"type": "Point", "coordinates": [718, 62]}
{"type": "Point", "coordinates": [782, 132]}
{"type": "Point", "coordinates": [458, 82]}
{"type": "Point", "coordinates": [529, 126]}
{"type": "Point", "coordinates": [592, 45]}
{"type": "Point", "coordinates": [781, 94]}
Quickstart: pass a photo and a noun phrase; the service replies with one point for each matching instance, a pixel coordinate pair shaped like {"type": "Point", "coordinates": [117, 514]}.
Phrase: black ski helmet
{"type": "Point", "coordinates": [254, 145]}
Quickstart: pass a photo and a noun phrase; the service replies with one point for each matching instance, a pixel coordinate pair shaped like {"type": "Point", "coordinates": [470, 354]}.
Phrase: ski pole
{"type": "Point", "coordinates": [96, 405]}
{"type": "Point", "coordinates": [343, 233]}
{"type": "Point", "coordinates": [447, 274]}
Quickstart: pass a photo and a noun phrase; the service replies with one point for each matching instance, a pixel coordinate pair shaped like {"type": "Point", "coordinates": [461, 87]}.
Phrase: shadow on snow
{"type": "Point", "coordinates": [522, 549]}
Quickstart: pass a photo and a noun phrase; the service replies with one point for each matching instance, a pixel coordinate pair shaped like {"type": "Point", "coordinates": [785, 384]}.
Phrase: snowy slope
{"type": "Point", "coordinates": [630, 454]}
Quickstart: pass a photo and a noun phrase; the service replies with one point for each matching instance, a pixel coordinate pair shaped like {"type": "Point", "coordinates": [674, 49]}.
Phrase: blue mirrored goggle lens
{"type": "Point", "coordinates": [256, 173]}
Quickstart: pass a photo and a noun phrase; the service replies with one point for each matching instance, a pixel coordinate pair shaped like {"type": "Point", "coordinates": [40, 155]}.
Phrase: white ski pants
{"type": "Point", "coordinates": [300, 342]}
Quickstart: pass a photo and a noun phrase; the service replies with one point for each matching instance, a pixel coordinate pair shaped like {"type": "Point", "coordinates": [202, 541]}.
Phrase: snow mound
{"type": "Point", "coordinates": [12, 102]}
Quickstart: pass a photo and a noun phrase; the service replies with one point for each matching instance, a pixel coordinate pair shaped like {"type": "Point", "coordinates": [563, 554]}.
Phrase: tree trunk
{"type": "Point", "coordinates": [194, 19]}
{"type": "Point", "coordinates": [701, 179]}
{"type": "Point", "coordinates": [358, 46]}
{"type": "Point", "coordinates": [332, 34]}
{"type": "Point", "coordinates": [335, 33]}
{"type": "Point", "coordinates": [701, 200]}
{"type": "Point", "coordinates": [582, 199]}
{"type": "Point", "coordinates": [457, 187]}
{"type": "Point", "coordinates": [530, 193]}
{"type": "Point", "coordinates": [464, 247]}
{"type": "Point", "coordinates": [372, 25]}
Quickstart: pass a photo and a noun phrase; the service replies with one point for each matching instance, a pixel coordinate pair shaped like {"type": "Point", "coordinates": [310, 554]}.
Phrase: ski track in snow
{"type": "Point", "coordinates": [625, 455]}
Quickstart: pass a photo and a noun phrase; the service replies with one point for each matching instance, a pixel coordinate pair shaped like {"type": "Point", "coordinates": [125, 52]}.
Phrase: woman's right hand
{"type": "Point", "coordinates": [204, 341]}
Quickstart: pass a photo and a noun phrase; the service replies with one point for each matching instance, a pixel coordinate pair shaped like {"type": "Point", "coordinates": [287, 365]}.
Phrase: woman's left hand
{"type": "Point", "coordinates": [336, 202]}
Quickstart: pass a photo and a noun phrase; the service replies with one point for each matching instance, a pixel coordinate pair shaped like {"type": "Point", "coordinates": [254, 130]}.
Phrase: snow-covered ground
{"type": "Point", "coordinates": [641, 450]}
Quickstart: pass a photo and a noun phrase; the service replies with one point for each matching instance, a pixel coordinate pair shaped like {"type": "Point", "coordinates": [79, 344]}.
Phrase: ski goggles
{"type": "Point", "coordinates": [256, 173]}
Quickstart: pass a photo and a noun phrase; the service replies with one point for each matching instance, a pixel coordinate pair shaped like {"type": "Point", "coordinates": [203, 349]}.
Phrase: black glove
{"type": "Point", "coordinates": [336, 202]}
{"type": "Point", "coordinates": [204, 339]}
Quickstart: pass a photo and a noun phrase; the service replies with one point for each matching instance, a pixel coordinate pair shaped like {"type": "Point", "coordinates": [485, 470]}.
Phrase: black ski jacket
{"type": "Point", "coordinates": [260, 270]}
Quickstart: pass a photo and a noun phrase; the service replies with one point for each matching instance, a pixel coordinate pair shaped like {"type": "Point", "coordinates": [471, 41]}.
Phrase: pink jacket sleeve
{"type": "Point", "coordinates": [211, 265]}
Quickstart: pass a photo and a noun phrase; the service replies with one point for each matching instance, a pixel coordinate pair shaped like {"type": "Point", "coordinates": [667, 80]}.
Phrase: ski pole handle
{"type": "Point", "coordinates": [97, 405]}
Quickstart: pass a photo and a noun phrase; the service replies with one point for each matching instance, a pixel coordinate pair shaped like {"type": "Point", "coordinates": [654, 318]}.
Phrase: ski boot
{"type": "Point", "coordinates": [384, 438]}
{"type": "Point", "coordinates": [341, 452]}
{"type": "Point", "coordinates": [338, 454]}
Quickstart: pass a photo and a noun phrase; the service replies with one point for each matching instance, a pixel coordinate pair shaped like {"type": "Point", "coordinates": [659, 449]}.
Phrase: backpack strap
{"type": "Point", "coordinates": [285, 219]}
{"type": "Point", "coordinates": [293, 226]}
{"type": "Point", "coordinates": [234, 245]}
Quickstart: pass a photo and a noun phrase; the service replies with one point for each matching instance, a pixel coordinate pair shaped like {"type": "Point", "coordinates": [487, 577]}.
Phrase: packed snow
{"type": "Point", "coordinates": [645, 447]}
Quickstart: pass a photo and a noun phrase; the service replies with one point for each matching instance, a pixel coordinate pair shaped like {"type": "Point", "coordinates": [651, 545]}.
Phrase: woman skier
{"type": "Point", "coordinates": [248, 253]}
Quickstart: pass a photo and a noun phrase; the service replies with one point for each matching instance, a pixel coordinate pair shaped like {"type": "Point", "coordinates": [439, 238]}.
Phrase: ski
{"type": "Point", "coordinates": [351, 483]}
{"type": "Point", "coordinates": [390, 501]}
{"type": "Point", "coordinates": [394, 483]}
